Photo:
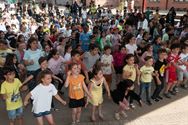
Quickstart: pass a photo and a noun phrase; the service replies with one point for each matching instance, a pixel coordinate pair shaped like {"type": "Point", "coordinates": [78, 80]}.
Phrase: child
{"type": "Point", "coordinates": [160, 67]}
{"type": "Point", "coordinates": [10, 90]}
{"type": "Point", "coordinates": [42, 98]}
{"type": "Point", "coordinates": [148, 52]}
{"type": "Point", "coordinates": [147, 71]}
{"type": "Point", "coordinates": [96, 90]}
{"type": "Point", "coordinates": [68, 49]}
{"type": "Point", "coordinates": [130, 71]}
{"type": "Point", "coordinates": [107, 64]}
{"type": "Point", "coordinates": [171, 75]}
{"type": "Point", "coordinates": [183, 72]}
{"type": "Point", "coordinates": [76, 84]}
{"type": "Point", "coordinates": [118, 97]}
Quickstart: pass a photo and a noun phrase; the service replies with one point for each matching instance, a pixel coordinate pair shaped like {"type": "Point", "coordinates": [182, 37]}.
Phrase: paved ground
{"type": "Point", "coordinates": [166, 112]}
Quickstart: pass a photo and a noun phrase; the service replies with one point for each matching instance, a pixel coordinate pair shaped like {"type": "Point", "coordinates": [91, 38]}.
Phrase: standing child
{"type": "Point", "coordinates": [160, 67]}
{"type": "Point", "coordinates": [107, 64]}
{"type": "Point", "coordinates": [76, 84]}
{"type": "Point", "coordinates": [171, 75]}
{"type": "Point", "coordinates": [42, 98]}
{"type": "Point", "coordinates": [118, 97]}
{"type": "Point", "coordinates": [68, 49]}
{"type": "Point", "coordinates": [10, 90]}
{"type": "Point", "coordinates": [96, 90]}
{"type": "Point", "coordinates": [147, 71]}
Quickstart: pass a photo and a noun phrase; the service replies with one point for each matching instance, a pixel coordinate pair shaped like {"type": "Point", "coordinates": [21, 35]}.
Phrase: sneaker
{"type": "Point", "coordinates": [155, 99]}
{"type": "Point", "coordinates": [149, 102]}
{"type": "Point", "coordinates": [172, 92]}
{"type": "Point", "coordinates": [140, 103]}
{"type": "Point", "coordinates": [117, 116]}
{"type": "Point", "coordinates": [123, 114]}
{"type": "Point", "coordinates": [159, 97]}
{"type": "Point", "coordinates": [176, 89]}
{"type": "Point", "coordinates": [132, 106]}
{"type": "Point", "coordinates": [55, 109]}
{"type": "Point", "coordinates": [167, 95]}
{"type": "Point", "coordinates": [184, 86]}
{"type": "Point", "coordinates": [73, 123]}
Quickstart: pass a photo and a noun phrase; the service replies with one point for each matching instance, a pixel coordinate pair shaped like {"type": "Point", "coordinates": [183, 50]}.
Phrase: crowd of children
{"type": "Point", "coordinates": [86, 56]}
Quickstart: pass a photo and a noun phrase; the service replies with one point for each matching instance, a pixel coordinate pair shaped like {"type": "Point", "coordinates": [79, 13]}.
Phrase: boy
{"type": "Point", "coordinates": [147, 71]}
{"type": "Point", "coordinates": [10, 90]}
{"type": "Point", "coordinates": [183, 72]}
{"type": "Point", "coordinates": [107, 64]}
{"type": "Point", "coordinates": [171, 75]}
{"type": "Point", "coordinates": [160, 66]}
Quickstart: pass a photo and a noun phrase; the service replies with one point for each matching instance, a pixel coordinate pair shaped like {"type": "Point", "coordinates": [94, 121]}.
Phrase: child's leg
{"type": "Point", "coordinates": [74, 111]}
{"type": "Point", "coordinates": [11, 122]}
{"type": "Point", "coordinates": [141, 89]}
{"type": "Point", "coordinates": [100, 111]}
{"type": "Point", "coordinates": [50, 119]}
{"type": "Point", "coordinates": [40, 120]}
{"type": "Point", "coordinates": [148, 91]}
{"type": "Point", "coordinates": [78, 114]}
{"type": "Point", "coordinates": [20, 121]}
{"type": "Point", "coordinates": [168, 87]}
{"type": "Point", "coordinates": [93, 113]}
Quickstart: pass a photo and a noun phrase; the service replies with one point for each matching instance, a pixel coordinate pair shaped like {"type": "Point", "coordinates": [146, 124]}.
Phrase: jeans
{"type": "Point", "coordinates": [147, 88]}
{"type": "Point", "coordinates": [158, 88]}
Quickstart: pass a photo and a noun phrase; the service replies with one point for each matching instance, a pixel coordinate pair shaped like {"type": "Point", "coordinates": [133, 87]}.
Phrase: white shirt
{"type": "Point", "coordinates": [84, 14]}
{"type": "Point", "coordinates": [67, 33]}
{"type": "Point", "coordinates": [107, 59]}
{"type": "Point", "coordinates": [183, 57]}
{"type": "Point", "coordinates": [131, 48]}
{"type": "Point", "coordinates": [42, 97]}
{"type": "Point", "coordinates": [67, 57]}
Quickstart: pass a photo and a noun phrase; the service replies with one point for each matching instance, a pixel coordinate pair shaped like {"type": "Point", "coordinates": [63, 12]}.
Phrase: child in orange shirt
{"type": "Point", "coordinates": [76, 84]}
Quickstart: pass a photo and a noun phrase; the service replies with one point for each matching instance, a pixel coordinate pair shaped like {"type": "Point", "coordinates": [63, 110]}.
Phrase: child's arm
{"type": "Point", "coordinates": [156, 75]}
{"type": "Point", "coordinates": [106, 87]}
{"type": "Point", "coordinates": [112, 66]}
{"type": "Point", "coordinates": [60, 99]}
{"type": "Point", "coordinates": [126, 74]}
{"type": "Point", "coordinates": [67, 79]}
{"type": "Point", "coordinates": [26, 100]}
{"type": "Point", "coordinates": [86, 90]}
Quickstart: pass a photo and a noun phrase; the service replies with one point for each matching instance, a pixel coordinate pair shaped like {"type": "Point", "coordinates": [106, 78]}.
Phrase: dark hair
{"type": "Point", "coordinates": [148, 58]}
{"type": "Point", "coordinates": [31, 40]}
{"type": "Point", "coordinates": [156, 38]}
{"type": "Point", "coordinates": [42, 59]}
{"type": "Point", "coordinates": [184, 46]}
{"type": "Point", "coordinates": [19, 37]}
{"type": "Point", "coordinates": [162, 51]}
{"type": "Point", "coordinates": [128, 37]}
{"type": "Point", "coordinates": [107, 47]}
{"type": "Point", "coordinates": [92, 47]}
{"type": "Point", "coordinates": [174, 46]}
{"type": "Point", "coordinates": [42, 74]}
{"type": "Point", "coordinates": [9, 59]}
{"type": "Point", "coordinates": [148, 46]}
{"type": "Point", "coordinates": [52, 53]}
{"type": "Point", "coordinates": [96, 70]}
{"type": "Point", "coordinates": [124, 85]}
{"type": "Point", "coordinates": [145, 33]}
{"type": "Point", "coordinates": [3, 41]}
{"type": "Point", "coordinates": [7, 70]}
{"type": "Point", "coordinates": [121, 47]}
{"type": "Point", "coordinates": [67, 46]}
{"type": "Point", "coordinates": [128, 56]}
{"type": "Point", "coordinates": [75, 52]}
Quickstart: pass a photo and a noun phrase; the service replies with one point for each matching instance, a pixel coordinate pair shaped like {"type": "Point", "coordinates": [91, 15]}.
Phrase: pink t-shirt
{"type": "Point", "coordinates": [55, 65]}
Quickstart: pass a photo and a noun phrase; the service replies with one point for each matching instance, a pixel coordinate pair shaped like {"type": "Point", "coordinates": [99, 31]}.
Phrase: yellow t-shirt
{"type": "Point", "coordinates": [146, 74]}
{"type": "Point", "coordinates": [130, 69]}
{"type": "Point", "coordinates": [11, 90]}
{"type": "Point", "coordinates": [75, 87]}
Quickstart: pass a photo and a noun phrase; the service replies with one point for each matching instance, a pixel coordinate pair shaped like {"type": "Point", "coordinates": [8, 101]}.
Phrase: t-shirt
{"type": "Point", "coordinates": [89, 60]}
{"type": "Point", "coordinates": [85, 40]}
{"type": "Point", "coordinates": [165, 37]}
{"type": "Point", "coordinates": [33, 55]}
{"type": "Point", "coordinates": [107, 59]}
{"type": "Point", "coordinates": [160, 67]}
{"type": "Point", "coordinates": [11, 90]}
{"type": "Point", "coordinates": [146, 73]}
{"type": "Point", "coordinates": [75, 87]}
{"type": "Point", "coordinates": [184, 58]}
{"type": "Point", "coordinates": [131, 48]}
{"type": "Point", "coordinates": [42, 97]}
{"type": "Point", "coordinates": [55, 65]}
{"type": "Point", "coordinates": [130, 69]}
{"type": "Point", "coordinates": [67, 57]}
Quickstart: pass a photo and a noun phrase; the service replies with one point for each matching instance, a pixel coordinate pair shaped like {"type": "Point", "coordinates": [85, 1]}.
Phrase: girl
{"type": "Point", "coordinates": [118, 97]}
{"type": "Point", "coordinates": [76, 84]}
{"type": "Point", "coordinates": [68, 49]}
{"type": "Point", "coordinates": [148, 52]}
{"type": "Point", "coordinates": [156, 46]}
{"type": "Point", "coordinates": [42, 97]}
{"type": "Point", "coordinates": [96, 90]}
{"type": "Point", "coordinates": [131, 71]}
{"type": "Point", "coordinates": [131, 46]}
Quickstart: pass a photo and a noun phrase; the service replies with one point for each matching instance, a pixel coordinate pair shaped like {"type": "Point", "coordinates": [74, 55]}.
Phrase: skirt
{"type": "Point", "coordinates": [74, 103]}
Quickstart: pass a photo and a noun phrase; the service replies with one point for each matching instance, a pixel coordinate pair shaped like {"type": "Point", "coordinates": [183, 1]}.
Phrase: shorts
{"type": "Point", "coordinates": [172, 77]}
{"type": "Point", "coordinates": [73, 103]}
{"type": "Point", "coordinates": [41, 114]}
{"type": "Point", "coordinates": [182, 75]}
{"type": "Point", "coordinates": [108, 78]}
{"type": "Point", "coordinates": [16, 113]}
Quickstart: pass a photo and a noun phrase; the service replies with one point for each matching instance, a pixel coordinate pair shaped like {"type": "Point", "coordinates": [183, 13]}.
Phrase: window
{"type": "Point", "coordinates": [180, 0]}
{"type": "Point", "coordinates": [154, 0]}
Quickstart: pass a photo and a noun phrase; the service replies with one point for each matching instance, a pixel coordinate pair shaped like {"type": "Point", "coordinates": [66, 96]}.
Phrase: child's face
{"type": "Point", "coordinates": [56, 56]}
{"type": "Point", "coordinates": [75, 69]}
{"type": "Point", "coordinates": [133, 40]}
{"type": "Point", "coordinates": [10, 76]}
{"type": "Point", "coordinates": [77, 57]}
{"type": "Point", "coordinates": [44, 65]}
{"type": "Point", "coordinates": [149, 62]}
{"type": "Point", "coordinates": [185, 50]}
{"type": "Point", "coordinates": [151, 48]}
{"type": "Point", "coordinates": [130, 61]}
{"type": "Point", "coordinates": [108, 51]}
{"type": "Point", "coordinates": [47, 79]}
{"type": "Point", "coordinates": [47, 48]}
{"type": "Point", "coordinates": [163, 56]}
{"type": "Point", "coordinates": [123, 50]}
{"type": "Point", "coordinates": [99, 75]}
{"type": "Point", "coordinates": [15, 60]}
{"type": "Point", "coordinates": [176, 50]}
{"type": "Point", "coordinates": [69, 49]}
{"type": "Point", "coordinates": [95, 51]}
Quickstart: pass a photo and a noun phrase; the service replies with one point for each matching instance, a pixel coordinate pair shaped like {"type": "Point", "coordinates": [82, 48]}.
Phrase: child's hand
{"type": "Point", "coordinates": [64, 102]}
{"type": "Point", "coordinates": [138, 83]}
{"type": "Point", "coordinates": [109, 96]}
{"type": "Point", "coordinates": [69, 73]}
{"type": "Point", "coordinates": [26, 103]}
{"type": "Point", "coordinates": [86, 103]}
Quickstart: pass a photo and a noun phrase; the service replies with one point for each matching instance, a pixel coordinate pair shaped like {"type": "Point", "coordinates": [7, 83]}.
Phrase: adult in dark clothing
{"type": "Point", "coordinates": [171, 16]}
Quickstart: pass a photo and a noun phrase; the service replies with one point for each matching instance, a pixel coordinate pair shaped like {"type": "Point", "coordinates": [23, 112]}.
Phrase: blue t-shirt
{"type": "Point", "coordinates": [33, 55]}
{"type": "Point", "coordinates": [85, 40]}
